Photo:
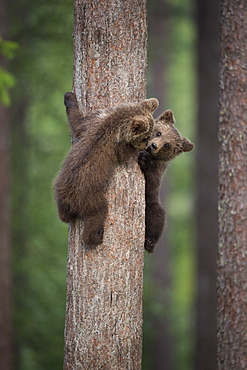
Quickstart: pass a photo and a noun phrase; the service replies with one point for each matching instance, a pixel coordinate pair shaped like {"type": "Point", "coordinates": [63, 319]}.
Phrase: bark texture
{"type": "Point", "coordinates": [232, 259]}
{"type": "Point", "coordinates": [207, 182]}
{"type": "Point", "coordinates": [103, 327]}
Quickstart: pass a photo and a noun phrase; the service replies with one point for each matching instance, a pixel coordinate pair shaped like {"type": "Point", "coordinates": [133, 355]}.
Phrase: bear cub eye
{"type": "Point", "coordinates": [159, 133]}
{"type": "Point", "coordinates": [167, 145]}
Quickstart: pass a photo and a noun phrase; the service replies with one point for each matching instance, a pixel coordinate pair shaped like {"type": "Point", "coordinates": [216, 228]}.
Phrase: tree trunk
{"type": "Point", "coordinates": [103, 327]}
{"type": "Point", "coordinates": [232, 260]}
{"type": "Point", "coordinates": [5, 277]}
{"type": "Point", "coordinates": [207, 182]}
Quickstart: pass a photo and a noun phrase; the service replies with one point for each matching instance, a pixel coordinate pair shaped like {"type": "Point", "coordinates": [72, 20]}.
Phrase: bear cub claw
{"type": "Point", "coordinates": [149, 244]}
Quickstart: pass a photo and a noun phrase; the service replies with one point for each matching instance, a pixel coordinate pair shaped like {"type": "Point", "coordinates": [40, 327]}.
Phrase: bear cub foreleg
{"type": "Point", "coordinates": [155, 214]}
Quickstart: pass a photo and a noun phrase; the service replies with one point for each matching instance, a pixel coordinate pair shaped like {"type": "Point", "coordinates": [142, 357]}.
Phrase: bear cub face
{"type": "Point", "coordinates": [166, 142]}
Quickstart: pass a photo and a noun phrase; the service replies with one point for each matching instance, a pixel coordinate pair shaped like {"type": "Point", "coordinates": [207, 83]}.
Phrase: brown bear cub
{"type": "Point", "coordinates": [164, 145]}
{"type": "Point", "coordinates": [102, 141]}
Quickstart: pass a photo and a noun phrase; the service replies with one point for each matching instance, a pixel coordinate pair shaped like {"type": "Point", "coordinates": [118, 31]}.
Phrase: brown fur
{"type": "Point", "coordinates": [164, 145]}
{"type": "Point", "coordinates": [102, 141]}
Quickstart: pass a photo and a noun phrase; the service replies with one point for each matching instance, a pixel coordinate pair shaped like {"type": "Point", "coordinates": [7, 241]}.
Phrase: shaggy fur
{"type": "Point", "coordinates": [102, 141]}
{"type": "Point", "coordinates": [164, 145]}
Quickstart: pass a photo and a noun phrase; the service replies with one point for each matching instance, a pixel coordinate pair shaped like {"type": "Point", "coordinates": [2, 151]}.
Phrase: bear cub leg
{"type": "Point", "coordinates": [155, 220]}
{"type": "Point", "coordinates": [94, 224]}
{"type": "Point", "coordinates": [155, 214]}
{"type": "Point", "coordinates": [74, 116]}
{"type": "Point", "coordinates": [65, 213]}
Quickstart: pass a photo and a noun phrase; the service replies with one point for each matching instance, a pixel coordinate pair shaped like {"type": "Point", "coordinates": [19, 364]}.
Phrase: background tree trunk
{"type": "Point", "coordinates": [232, 261]}
{"type": "Point", "coordinates": [5, 276]}
{"type": "Point", "coordinates": [104, 286]}
{"type": "Point", "coordinates": [207, 182]}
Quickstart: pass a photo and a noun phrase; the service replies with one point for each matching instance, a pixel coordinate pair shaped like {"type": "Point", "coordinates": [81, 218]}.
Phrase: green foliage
{"type": "Point", "coordinates": [7, 80]}
{"type": "Point", "coordinates": [40, 137]}
{"type": "Point", "coordinates": [8, 48]}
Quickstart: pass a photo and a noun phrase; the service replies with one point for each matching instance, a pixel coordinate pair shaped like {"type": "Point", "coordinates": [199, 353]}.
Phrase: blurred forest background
{"type": "Point", "coordinates": [36, 69]}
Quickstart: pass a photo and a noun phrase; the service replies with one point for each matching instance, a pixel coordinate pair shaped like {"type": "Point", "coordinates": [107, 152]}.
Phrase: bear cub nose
{"type": "Point", "coordinates": [153, 146]}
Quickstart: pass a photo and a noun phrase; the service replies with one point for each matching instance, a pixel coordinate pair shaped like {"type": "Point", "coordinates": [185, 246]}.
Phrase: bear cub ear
{"type": "Point", "coordinates": [167, 117]}
{"type": "Point", "coordinates": [187, 145]}
{"type": "Point", "coordinates": [150, 105]}
{"type": "Point", "coordinates": [139, 125]}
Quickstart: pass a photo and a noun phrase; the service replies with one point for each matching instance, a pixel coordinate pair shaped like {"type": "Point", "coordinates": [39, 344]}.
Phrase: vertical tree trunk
{"type": "Point", "coordinates": [232, 260]}
{"type": "Point", "coordinates": [104, 286]}
{"type": "Point", "coordinates": [5, 278]}
{"type": "Point", "coordinates": [207, 182]}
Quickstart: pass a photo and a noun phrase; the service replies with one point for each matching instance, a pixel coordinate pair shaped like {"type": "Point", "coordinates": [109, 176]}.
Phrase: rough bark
{"type": "Point", "coordinates": [5, 277]}
{"type": "Point", "coordinates": [103, 327]}
{"type": "Point", "coordinates": [232, 260]}
{"type": "Point", "coordinates": [207, 182]}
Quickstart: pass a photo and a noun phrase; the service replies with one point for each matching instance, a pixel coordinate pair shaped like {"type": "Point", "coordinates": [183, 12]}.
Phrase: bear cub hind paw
{"type": "Point", "coordinates": [70, 100]}
{"type": "Point", "coordinates": [93, 237]}
{"type": "Point", "coordinates": [149, 245]}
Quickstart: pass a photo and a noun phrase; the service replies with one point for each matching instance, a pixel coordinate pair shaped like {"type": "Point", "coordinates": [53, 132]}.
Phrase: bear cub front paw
{"type": "Point", "coordinates": [144, 160]}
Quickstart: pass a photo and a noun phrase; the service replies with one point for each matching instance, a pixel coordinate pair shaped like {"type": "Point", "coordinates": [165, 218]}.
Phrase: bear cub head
{"type": "Point", "coordinates": [166, 142]}
{"type": "Point", "coordinates": [135, 122]}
